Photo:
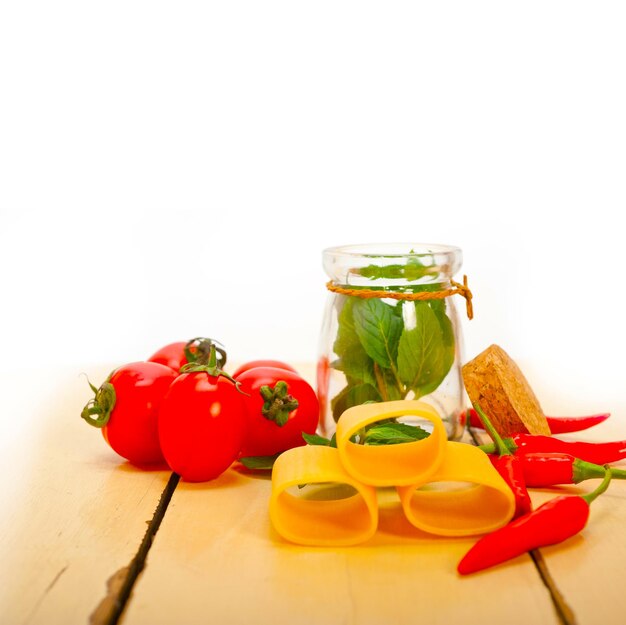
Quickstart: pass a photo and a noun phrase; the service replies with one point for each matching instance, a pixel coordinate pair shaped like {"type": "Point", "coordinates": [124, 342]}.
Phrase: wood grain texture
{"type": "Point", "coordinates": [217, 559]}
{"type": "Point", "coordinates": [73, 513]}
{"type": "Point", "coordinates": [589, 568]}
{"type": "Point", "coordinates": [493, 380]}
{"type": "Point", "coordinates": [73, 516]}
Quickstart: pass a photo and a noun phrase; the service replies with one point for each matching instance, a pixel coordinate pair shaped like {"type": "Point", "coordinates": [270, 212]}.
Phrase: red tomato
{"type": "Point", "coordinates": [264, 436]}
{"type": "Point", "coordinates": [201, 424]}
{"type": "Point", "coordinates": [172, 356]}
{"type": "Point", "coordinates": [131, 429]}
{"type": "Point", "coordinates": [253, 364]}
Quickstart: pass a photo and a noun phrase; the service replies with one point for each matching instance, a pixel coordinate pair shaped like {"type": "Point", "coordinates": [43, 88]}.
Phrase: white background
{"type": "Point", "coordinates": [175, 169]}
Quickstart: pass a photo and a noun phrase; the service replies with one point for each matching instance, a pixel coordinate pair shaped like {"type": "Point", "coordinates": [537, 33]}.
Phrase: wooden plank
{"type": "Point", "coordinates": [73, 516]}
{"type": "Point", "coordinates": [589, 567]}
{"type": "Point", "coordinates": [217, 559]}
{"type": "Point", "coordinates": [73, 512]}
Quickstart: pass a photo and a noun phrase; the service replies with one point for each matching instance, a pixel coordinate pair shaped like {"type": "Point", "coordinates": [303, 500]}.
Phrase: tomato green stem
{"type": "Point", "coordinates": [211, 368]}
{"type": "Point", "coordinates": [202, 351]}
{"type": "Point", "coordinates": [101, 404]}
{"type": "Point", "coordinates": [277, 402]}
{"type": "Point", "coordinates": [601, 488]}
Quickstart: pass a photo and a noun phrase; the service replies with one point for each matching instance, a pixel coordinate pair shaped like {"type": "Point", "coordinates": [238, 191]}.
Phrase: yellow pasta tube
{"type": "Point", "coordinates": [465, 496]}
{"type": "Point", "coordinates": [313, 519]}
{"type": "Point", "coordinates": [390, 465]}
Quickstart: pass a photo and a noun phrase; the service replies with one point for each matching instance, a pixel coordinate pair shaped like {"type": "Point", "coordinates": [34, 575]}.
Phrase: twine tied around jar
{"type": "Point", "coordinates": [455, 289]}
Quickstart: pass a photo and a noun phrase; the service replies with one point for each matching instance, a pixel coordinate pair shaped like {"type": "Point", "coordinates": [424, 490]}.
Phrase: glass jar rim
{"type": "Point", "coordinates": [400, 264]}
{"type": "Point", "coordinates": [391, 250]}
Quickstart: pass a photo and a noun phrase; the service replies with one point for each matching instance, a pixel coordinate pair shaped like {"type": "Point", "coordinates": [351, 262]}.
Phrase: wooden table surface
{"type": "Point", "coordinates": [77, 524]}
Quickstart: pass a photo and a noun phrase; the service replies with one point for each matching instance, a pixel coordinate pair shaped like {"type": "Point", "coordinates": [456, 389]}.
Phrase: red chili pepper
{"type": "Point", "coordinates": [562, 425]}
{"type": "Point", "coordinates": [557, 425]}
{"type": "Point", "coordinates": [551, 523]}
{"type": "Point", "coordinates": [542, 470]}
{"type": "Point", "coordinates": [508, 466]}
{"type": "Point", "coordinates": [600, 453]}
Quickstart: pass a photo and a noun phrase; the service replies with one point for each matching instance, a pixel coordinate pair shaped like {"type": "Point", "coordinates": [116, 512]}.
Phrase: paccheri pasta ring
{"type": "Point", "coordinates": [476, 499]}
{"type": "Point", "coordinates": [390, 465]}
{"type": "Point", "coordinates": [308, 520]}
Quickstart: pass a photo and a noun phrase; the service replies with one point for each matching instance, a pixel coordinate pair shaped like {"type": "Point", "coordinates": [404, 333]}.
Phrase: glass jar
{"type": "Point", "coordinates": [391, 330]}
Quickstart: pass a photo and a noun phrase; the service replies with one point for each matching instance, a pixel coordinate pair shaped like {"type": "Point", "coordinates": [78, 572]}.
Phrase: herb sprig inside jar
{"type": "Point", "coordinates": [391, 330]}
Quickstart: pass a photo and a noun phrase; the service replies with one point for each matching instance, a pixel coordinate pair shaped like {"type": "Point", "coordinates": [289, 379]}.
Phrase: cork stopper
{"type": "Point", "coordinates": [494, 381]}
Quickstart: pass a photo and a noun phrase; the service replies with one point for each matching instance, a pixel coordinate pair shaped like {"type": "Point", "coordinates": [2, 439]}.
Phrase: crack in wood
{"type": "Point", "coordinates": [49, 587]}
{"type": "Point", "coordinates": [56, 579]}
{"type": "Point", "coordinates": [120, 584]}
{"type": "Point", "coordinates": [565, 613]}
{"type": "Point", "coordinates": [106, 608]}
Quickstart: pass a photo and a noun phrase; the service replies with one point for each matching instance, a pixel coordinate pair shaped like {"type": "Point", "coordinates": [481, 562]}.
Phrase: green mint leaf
{"type": "Point", "coordinates": [354, 394]}
{"type": "Point", "coordinates": [378, 330]}
{"type": "Point", "coordinates": [259, 462]}
{"type": "Point", "coordinates": [413, 269]}
{"type": "Point", "coordinates": [447, 335]}
{"type": "Point", "coordinates": [346, 339]}
{"type": "Point", "coordinates": [448, 349]}
{"type": "Point", "coordinates": [352, 358]}
{"type": "Point", "coordinates": [438, 306]}
{"type": "Point", "coordinates": [357, 365]}
{"type": "Point", "coordinates": [394, 433]}
{"type": "Point", "coordinates": [315, 439]}
{"type": "Point", "coordinates": [422, 352]}
{"type": "Point", "coordinates": [333, 441]}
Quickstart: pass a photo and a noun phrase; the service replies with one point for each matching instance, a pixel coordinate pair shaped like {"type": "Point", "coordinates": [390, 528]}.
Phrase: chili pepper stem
{"type": "Point", "coordinates": [589, 497]}
{"type": "Point", "coordinates": [492, 448]}
{"type": "Point", "coordinates": [582, 471]}
{"type": "Point", "coordinates": [501, 447]}
{"type": "Point", "coordinates": [617, 474]}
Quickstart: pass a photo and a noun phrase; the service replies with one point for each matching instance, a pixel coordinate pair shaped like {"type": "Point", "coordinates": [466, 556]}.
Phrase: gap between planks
{"type": "Point", "coordinates": [562, 608]}
{"type": "Point", "coordinates": [120, 584]}
{"type": "Point", "coordinates": [564, 612]}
